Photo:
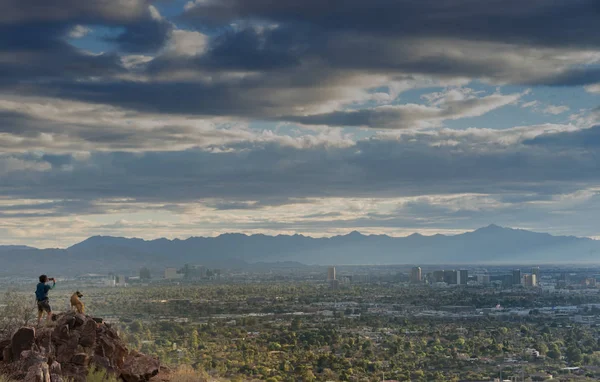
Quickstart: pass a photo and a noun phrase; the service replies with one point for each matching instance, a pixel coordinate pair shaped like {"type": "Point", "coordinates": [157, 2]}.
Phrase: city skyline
{"type": "Point", "coordinates": [173, 119]}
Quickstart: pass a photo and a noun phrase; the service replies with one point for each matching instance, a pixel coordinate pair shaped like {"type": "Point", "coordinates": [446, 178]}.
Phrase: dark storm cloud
{"type": "Point", "coordinates": [33, 38]}
{"type": "Point", "coordinates": [22, 11]}
{"type": "Point", "coordinates": [291, 55]}
{"type": "Point", "coordinates": [540, 22]}
{"type": "Point", "coordinates": [144, 36]}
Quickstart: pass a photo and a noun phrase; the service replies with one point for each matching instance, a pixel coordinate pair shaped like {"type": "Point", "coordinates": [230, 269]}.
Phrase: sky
{"type": "Point", "coordinates": [174, 118]}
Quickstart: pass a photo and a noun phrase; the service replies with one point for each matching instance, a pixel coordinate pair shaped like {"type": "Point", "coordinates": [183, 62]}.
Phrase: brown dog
{"type": "Point", "coordinates": [76, 302]}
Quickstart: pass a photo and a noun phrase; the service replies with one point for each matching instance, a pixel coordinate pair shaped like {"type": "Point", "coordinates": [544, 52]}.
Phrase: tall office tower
{"type": "Point", "coordinates": [529, 280]}
{"type": "Point", "coordinates": [463, 276]}
{"type": "Point", "coordinates": [330, 273]}
{"type": "Point", "coordinates": [451, 277]}
{"type": "Point", "coordinates": [416, 275]}
{"type": "Point", "coordinates": [438, 276]}
{"type": "Point", "coordinates": [516, 277]}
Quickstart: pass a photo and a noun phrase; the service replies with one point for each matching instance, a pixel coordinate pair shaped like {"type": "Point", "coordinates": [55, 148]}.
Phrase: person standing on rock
{"type": "Point", "coordinates": [41, 295]}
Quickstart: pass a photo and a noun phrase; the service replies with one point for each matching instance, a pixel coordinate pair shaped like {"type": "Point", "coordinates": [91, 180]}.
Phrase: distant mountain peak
{"type": "Point", "coordinates": [355, 234]}
{"type": "Point", "coordinates": [493, 226]}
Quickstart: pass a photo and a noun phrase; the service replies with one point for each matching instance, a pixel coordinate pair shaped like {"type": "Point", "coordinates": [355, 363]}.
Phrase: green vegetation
{"type": "Point", "coordinates": [288, 332]}
{"type": "Point", "coordinates": [95, 375]}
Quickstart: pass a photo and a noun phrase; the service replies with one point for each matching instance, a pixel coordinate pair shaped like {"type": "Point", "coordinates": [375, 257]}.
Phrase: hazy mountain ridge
{"type": "Point", "coordinates": [491, 244]}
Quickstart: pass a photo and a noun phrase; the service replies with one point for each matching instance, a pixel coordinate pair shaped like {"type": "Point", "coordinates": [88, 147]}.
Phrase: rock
{"type": "Point", "coordinates": [164, 375]}
{"type": "Point", "coordinates": [55, 368]}
{"type": "Point", "coordinates": [70, 322]}
{"type": "Point", "coordinates": [38, 373]}
{"type": "Point", "coordinates": [66, 351]}
{"type": "Point", "coordinates": [61, 334]}
{"type": "Point", "coordinates": [43, 339]}
{"type": "Point", "coordinates": [29, 358]}
{"type": "Point", "coordinates": [23, 339]}
{"type": "Point", "coordinates": [88, 334]}
{"type": "Point", "coordinates": [80, 319]}
{"type": "Point", "coordinates": [75, 373]}
{"type": "Point", "coordinates": [7, 354]}
{"type": "Point", "coordinates": [80, 359]}
{"type": "Point", "coordinates": [139, 368]}
{"type": "Point", "coordinates": [3, 345]}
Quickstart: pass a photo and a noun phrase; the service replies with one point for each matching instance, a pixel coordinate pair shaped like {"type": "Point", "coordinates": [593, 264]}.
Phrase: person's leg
{"type": "Point", "coordinates": [49, 318]}
{"type": "Point", "coordinates": [40, 314]}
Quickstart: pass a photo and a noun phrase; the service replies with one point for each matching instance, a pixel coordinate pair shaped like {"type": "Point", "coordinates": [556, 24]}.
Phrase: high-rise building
{"type": "Point", "coordinates": [415, 275]}
{"type": "Point", "coordinates": [438, 276]}
{"type": "Point", "coordinates": [451, 277]}
{"type": "Point", "coordinates": [463, 276]}
{"type": "Point", "coordinates": [536, 271]}
{"type": "Point", "coordinates": [331, 273]}
{"type": "Point", "coordinates": [516, 277]}
{"type": "Point", "coordinates": [529, 280]}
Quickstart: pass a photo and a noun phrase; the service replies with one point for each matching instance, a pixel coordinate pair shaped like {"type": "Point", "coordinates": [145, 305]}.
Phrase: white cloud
{"type": "Point", "coordinates": [11, 164]}
{"type": "Point", "coordinates": [452, 104]}
{"type": "Point", "coordinates": [593, 88]}
{"type": "Point", "coordinates": [186, 43]}
{"type": "Point", "coordinates": [530, 104]}
{"type": "Point", "coordinates": [79, 31]}
{"type": "Point", "coordinates": [555, 109]}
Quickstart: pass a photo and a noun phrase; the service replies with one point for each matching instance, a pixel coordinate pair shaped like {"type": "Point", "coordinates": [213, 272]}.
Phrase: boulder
{"type": "Point", "coordinates": [55, 368]}
{"type": "Point", "coordinates": [22, 340]}
{"type": "Point", "coordinates": [7, 354]}
{"type": "Point", "coordinates": [61, 334]}
{"type": "Point", "coordinates": [88, 334]}
{"type": "Point", "coordinates": [3, 345]}
{"type": "Point", "coordinates": [43, 339]}
{"type": "Point", "coordinates": [80, 359]}
{"type": "Point", "coordinates": [80, 319]}
{"type": "Point", "coordinates": [139, 368]}
{"type": "Point", "coordinates": [38, 373]}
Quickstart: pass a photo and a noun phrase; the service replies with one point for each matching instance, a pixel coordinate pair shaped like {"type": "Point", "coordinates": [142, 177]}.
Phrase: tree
{"type": "Point", "coordinates": [554, 352]}
{"type": "Point", "coordinates": [195, 340]}
{"type": "Point", "coordinates": [574, 354]}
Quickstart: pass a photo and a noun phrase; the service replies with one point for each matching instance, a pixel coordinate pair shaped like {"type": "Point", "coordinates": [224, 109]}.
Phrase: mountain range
{"type": "Point", "coordinates": [488, 245]}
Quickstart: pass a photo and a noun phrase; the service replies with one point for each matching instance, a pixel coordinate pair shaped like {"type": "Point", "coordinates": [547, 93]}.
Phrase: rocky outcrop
{"type": "Point", "coordinates": [69, 349]}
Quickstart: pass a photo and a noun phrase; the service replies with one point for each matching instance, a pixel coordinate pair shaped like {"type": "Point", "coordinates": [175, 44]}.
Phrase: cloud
{"type": "Point", "coordinates": [507, 21]}
{"type": "Point", "coordinates": [189, 123]}
{"type": "Point", "coordinates": [585, 139]}
{"type": "Point", "coordinates": [79, 31]}
{"type": "Point", "coordinates": [454, 104]}
{"type": "Point", "coordinates": [593, 88]}
{"type": "Point", "coordinates": [34, 11]}
{"type": "Point", "coordinates": [54, 126]}
{"type": "Point", "coordinates": [556, 110]}
{"type": "Point", "coordinates": [412, 164]}
{"type": "Point", "coordinates": [9, 164]}
{"type": "Point", "coordinates": [186, 43]}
